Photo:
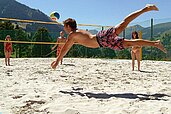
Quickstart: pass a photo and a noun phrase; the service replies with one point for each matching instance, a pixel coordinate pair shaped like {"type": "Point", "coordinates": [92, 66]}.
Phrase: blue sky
{"type": "Point", "coordinates": [101, 12]}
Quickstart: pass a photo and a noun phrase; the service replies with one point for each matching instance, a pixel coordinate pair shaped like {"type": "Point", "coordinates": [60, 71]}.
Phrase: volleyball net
{"type": "Point", "coordinates": [38, 42]}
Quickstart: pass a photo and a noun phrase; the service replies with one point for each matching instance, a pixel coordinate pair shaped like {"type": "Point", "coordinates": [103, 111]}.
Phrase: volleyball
{"type": "Point", "coordinates": [54, 16]}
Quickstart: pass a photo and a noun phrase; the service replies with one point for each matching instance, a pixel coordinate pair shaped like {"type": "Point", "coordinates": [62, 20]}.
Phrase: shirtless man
{"type": "Point", "coordinates": [105, 38]}
{"type": "Point", "coordinates": [60, 43]}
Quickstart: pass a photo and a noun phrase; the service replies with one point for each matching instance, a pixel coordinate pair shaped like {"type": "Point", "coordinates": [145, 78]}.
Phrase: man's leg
{"type": "Point", "coordinates": [120, 27]}
{"type": "Point", "coordinates": [140, 42]}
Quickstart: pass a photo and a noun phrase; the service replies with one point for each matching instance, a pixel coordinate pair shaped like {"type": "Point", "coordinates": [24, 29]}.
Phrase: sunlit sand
{"type": "Point", "coordinates": [84, 86]}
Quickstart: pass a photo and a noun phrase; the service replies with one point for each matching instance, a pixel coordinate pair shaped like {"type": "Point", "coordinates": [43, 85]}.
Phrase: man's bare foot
{"type": "Point", "coordinates": [151, 7]}
{"type": "Point", "coordinates": [160, 46]}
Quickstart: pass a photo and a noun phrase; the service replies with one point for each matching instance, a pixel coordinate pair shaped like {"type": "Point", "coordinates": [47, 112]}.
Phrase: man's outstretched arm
{"type": "Point", "coordinates": [69, 43]}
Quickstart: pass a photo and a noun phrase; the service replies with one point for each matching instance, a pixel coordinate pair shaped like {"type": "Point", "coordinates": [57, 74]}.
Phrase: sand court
{"type": "Point", "coordinates": [84, 86]}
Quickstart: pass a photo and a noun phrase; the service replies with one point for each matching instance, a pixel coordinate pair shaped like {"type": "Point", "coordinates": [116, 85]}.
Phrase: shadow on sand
{"type": "Point", "coordinates": [122, 95]}
{"type": "Point", "coordinates": [147, 71]}
{"type": "Point", "coordinates": [68, 64]}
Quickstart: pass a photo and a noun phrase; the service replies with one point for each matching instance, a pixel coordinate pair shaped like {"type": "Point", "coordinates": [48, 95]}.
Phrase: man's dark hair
{"type": "Point", "coordinates": [71, 22]}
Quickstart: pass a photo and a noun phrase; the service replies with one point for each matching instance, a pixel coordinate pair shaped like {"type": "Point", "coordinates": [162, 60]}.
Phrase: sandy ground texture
{"type": "Point", "coordinates": [84, 86]}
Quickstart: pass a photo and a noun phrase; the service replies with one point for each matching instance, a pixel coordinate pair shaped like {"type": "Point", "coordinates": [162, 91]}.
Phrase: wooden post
{"type": "Point", "coordinates": [140, 37]}
{"type": "Point", "coordinates": [102, 28]}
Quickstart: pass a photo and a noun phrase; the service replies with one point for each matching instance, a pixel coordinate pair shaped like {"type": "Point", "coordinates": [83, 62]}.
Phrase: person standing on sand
{"type": "Point", "coordinates": [7, 50]}
{"type": "Point", "coordinates": [59, 44]}
{"type": "Point", "coordinates": [135, 51]}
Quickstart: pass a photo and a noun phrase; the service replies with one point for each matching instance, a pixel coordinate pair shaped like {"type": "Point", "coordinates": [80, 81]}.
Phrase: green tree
{"type": "Point", "coordinates": [7, 25]}
{"type": "Point", "coordinates": [124, 54]}
{"type": "Point", "coordinates": [41, 50]}
{"type": "Point", "coordinates": [107, 53]}
{"type": "Point", "coordinates": [22, 50]}
{"type": "Point", "coordinates": [166, 39]}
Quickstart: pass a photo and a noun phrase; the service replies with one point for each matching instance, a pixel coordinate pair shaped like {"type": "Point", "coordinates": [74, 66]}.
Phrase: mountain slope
{"type": "Point", "coordinates": [14, 9]}
{"type": "Point", "coordinates": [146, 32]}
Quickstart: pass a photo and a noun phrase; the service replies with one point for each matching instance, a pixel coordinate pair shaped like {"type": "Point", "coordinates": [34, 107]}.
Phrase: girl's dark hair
{"type": "Point", "coordinates": [136, 33]}
{"type": "Point", "coordinates": [71, 22]}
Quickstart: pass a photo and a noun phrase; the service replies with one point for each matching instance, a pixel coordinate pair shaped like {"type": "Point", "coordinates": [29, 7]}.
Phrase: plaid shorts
{"type": "Point", "coordinates": [108, 38]}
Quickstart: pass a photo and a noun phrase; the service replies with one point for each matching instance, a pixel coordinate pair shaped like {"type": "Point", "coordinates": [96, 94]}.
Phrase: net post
{"type": "Point", "coordinates": [140, 37]}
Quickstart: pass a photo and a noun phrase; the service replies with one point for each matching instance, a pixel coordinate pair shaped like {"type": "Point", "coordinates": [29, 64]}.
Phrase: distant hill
{"type": "Point", "coordinates": [130, 29]}
{"type": "Point", "coordinates": [14, 9]}
{"type": "Point", "coordinates": [93, 31]}
{"type": "Point", "coordinates": [146, 32]}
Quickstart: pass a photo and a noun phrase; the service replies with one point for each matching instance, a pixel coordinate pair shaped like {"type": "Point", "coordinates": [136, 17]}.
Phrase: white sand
{"type": "Point", "coordinates": [84, 86]}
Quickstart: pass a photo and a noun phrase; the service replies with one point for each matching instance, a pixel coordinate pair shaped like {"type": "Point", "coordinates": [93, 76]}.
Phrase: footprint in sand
{"type": "Point", "coordinates": [71, 111]}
